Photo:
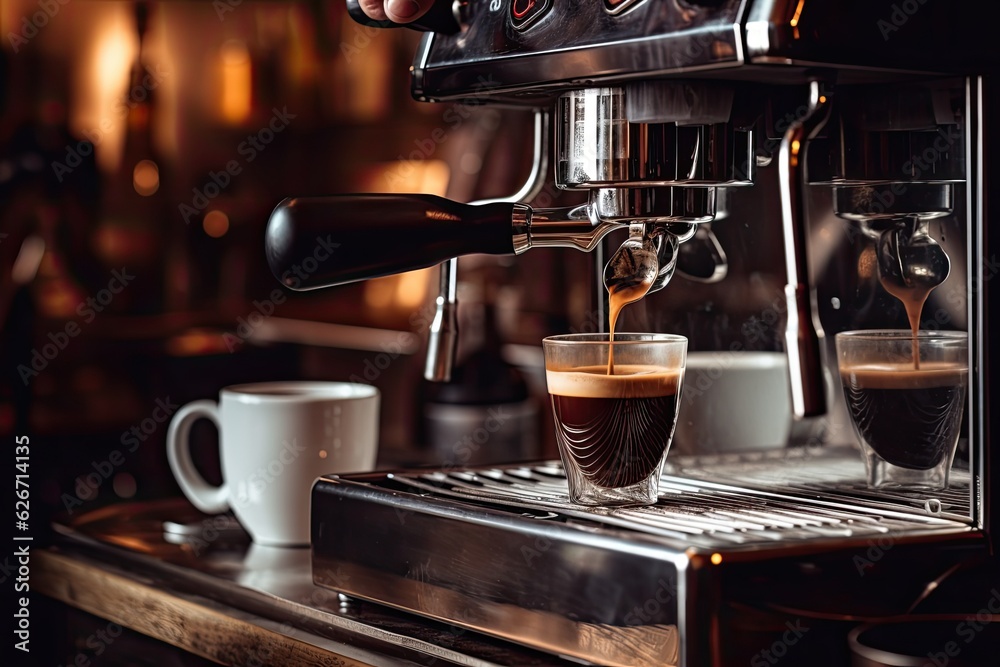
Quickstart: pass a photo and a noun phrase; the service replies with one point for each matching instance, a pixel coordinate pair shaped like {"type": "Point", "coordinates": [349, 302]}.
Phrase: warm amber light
{"type": "Point", "coordinates": [822, 99]}
{"type": "Point", "coordinates": [322, 453]}
{"type": "Point", "coordinates": [215, 224]}
{"type": "Point", "coordinates": [367, 65]}
{"type": "Point", "coordinates": [435, 177]}
{"type": "Point", "coordinates": [428, 176]}
{"type": "Point", "coordinates": [132, 543]}
{"type": "Point", "coordinates": [378, 293]}
{"type": "Point", "coordinates": [407, 291]}
{"type": "Point", "coordinates": [798, 14]}
{"type": "Point", "coordinates": [867, 263]}
{"type": "Point", "coordinates": [146, 177]}
{"type": "Point", "coordinates": [197, 342]}
{"type": "Point", "coordinates": [411, 290]}
{"type": "Point", "coordinates": [716, 559]}
{"type": "Point", "coordinates": [29, 258]}
{"type": "Point", "coordinates": [236, 81]}
{"type": "Point", "coordinates": [104, 79]}
{"type": "Point", "coordinates": [403, 292]}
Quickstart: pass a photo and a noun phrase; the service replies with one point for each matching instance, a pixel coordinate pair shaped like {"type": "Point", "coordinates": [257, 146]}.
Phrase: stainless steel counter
{"type": "Point", "coordinates": [197, 582]}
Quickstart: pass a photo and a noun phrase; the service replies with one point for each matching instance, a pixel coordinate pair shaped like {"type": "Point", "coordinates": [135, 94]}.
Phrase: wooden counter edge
{"type": "Point", "coordinates": [207, 629]}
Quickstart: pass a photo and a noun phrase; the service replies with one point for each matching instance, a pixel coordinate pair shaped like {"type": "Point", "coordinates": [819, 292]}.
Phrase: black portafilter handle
{"type": "Point", "coordinates": [439, 18]}
{"type": "Point", "coordinates": [314, 242]}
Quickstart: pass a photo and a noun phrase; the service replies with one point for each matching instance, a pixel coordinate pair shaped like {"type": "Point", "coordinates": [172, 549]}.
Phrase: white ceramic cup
{"type": "Point", "coordinates": [732, 402]}
{"type": "Point", "coordinates": [275, 439]}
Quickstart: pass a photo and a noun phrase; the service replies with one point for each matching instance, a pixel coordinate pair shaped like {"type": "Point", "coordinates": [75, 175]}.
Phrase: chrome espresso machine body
{"type": "Point", "coordinates": [865, 125]}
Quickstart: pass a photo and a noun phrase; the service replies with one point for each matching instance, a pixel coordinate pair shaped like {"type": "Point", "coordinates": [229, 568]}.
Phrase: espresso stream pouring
{"type": "Point", "coordinates": [910, 265]}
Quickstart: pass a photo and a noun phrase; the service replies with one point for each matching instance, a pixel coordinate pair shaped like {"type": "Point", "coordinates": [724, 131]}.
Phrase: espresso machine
{"type": "Point", "coordinates": [863, 126]}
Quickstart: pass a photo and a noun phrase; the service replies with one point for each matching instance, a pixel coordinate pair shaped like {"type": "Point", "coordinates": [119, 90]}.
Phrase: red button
{"type": "Point", "coordinates": [524, 13]}
{"type": "Point", "coordinates": [520, 8]}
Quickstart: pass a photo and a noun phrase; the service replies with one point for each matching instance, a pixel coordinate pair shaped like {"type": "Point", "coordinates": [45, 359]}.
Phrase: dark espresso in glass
{"type": "Point", "coordinates": [616, 428]}
{"type": "Point", "coordinates": [911, 418]}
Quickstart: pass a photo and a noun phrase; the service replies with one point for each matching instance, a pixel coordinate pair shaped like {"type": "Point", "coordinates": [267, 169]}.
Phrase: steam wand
{"type": "Point", "coordinates": [802, 328]}
{"type": "Point", "coordinates": [442, 338]}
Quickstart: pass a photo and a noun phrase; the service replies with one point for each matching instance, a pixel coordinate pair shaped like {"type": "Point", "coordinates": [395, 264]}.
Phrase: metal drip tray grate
{"type": "Point", "coordinates": [502, 551]}
{"type": "Point", "coordinates": [758, 503]}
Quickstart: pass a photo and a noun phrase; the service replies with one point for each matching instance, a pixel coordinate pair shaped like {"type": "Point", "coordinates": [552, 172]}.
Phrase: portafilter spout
{"type": "Point", "coordinates": [896, 217]}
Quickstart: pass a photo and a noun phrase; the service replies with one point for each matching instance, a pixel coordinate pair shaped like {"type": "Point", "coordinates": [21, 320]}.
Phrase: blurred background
{"type": "Point", "coordinates": [142, 148]}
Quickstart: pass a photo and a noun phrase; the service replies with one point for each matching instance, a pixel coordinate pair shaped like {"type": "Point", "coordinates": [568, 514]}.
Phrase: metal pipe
{"type": "Point", "coordinates": [442, 342]}
{"type": "Point", "coordinates": [803, 331]}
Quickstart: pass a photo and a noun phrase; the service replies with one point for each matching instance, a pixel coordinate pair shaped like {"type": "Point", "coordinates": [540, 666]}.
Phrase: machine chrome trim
{"type": "Point", "coordinates": [981, 489]}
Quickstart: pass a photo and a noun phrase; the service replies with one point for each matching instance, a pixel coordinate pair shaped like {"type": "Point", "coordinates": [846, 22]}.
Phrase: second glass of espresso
{"type": "Point", "coordinates": [615, 407]}
{"type": "Point", "coordinates": [906, 396]}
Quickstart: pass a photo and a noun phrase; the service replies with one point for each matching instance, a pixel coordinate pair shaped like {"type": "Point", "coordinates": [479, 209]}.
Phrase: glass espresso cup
{"type": "Point", "coordinates": [907, 406]}
{"type": "Point", "coordinates": [614, 430]}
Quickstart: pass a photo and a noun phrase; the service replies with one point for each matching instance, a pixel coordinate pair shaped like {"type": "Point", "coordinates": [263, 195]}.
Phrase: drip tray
{"type": "Point", "coordinates": [501, 550]}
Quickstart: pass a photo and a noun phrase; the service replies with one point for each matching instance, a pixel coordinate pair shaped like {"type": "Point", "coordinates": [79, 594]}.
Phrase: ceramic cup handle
{"type": "Point", "coordinates": [209, 499]}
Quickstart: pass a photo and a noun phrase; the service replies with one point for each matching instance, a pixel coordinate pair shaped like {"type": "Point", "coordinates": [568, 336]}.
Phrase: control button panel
{"type": "Point", "coordinates": [530, 49]}
{"type": "Point", "coordinates": [525, 13]}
